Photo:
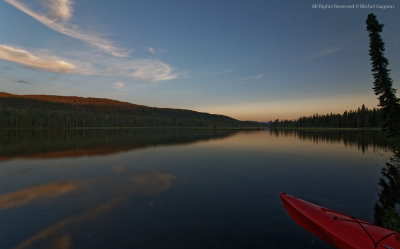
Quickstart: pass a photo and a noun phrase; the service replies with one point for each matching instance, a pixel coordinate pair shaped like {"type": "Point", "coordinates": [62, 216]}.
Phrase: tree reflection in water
{"type": "Point", "coordinates": [387, 213]}
{"type": "Point", "coordinates": [360, 139]}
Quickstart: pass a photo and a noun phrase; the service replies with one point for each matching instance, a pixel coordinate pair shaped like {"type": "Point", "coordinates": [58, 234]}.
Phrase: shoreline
{"type": "Point", "coordinates": [328, 129]}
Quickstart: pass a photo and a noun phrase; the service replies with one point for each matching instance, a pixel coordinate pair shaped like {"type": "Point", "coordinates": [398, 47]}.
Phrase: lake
{"type": "Point", "coordinates": [179, 188]}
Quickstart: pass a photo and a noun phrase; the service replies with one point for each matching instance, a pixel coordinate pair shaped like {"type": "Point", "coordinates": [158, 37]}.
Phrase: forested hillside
{"type": "Point", "coordinates": [44, 111]}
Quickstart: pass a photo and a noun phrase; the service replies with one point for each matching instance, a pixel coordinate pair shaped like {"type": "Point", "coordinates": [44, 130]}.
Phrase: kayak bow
{"type": "Point", "coordinates": [340, 230]}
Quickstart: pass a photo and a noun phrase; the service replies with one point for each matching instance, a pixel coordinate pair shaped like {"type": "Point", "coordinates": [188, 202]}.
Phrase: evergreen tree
{"type": "Point", "coordinates": [360, 118]}
{"type": "Point", "coordinates": [383, 85]}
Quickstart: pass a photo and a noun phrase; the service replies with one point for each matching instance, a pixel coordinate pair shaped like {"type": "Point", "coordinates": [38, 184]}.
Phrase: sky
{"type": "Point", "coordinates": [251, 60]}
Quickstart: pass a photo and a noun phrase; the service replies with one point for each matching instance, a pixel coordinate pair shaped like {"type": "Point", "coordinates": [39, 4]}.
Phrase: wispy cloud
{"type": "Point", "coordinates": [59, 12]}
{"type": "Point", "coordinates": [150, 70]}
{"type": "Point", "coordinates": [250, 79]}
{"type": "Point", "coordinates": [321, 53]}
{"type": "Point", "coordinates": [62, 9]}
{"type": "Point", "coordinates": [156, 51]}
{"type": "Point", "coordinates": [224, 72]}
{"type": "Point", "coordinates": [118, 84]}
{"type": "Point", "coordinates": [257, 76]}
{"type": "Point", "coordinates": [59, 9]}
{"type": "Point", "coordinates": [326, 51]}
{"type": "Point", "coordinates": [151, 50]}
{"type": "Point", "coordinates": [43, 62]}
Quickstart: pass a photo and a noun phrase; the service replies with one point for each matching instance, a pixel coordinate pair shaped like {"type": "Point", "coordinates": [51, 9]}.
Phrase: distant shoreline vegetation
{"type": "Point", "coordinates": [48, 111]}
{"type": "Point", "coordinates": [362, 118]}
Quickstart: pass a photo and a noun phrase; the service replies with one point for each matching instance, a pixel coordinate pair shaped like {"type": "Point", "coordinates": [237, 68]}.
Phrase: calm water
{"type": "Point", "coordinates": [146, 188]}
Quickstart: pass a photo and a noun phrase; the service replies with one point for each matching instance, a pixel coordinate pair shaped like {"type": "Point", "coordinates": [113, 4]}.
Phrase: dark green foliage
{"type": "Point", "coordinates": [383, 85]}
{"type": "Point", "coordinates": [386, 209]}
{"type": "Point", "coordinates": [361, 118]}
{"type": "Point", "coordinates": [31, 113]}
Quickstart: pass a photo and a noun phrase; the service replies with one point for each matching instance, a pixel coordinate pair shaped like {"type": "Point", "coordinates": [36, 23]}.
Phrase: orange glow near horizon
{"type": "Point", "coordinates": [293, 109]}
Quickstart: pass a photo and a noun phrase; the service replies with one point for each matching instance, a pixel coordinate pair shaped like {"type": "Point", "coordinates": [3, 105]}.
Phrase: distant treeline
{"type": "Point", "coordinates": [32, 113]}
{"type": "Point", "coordinates": [360, 118]}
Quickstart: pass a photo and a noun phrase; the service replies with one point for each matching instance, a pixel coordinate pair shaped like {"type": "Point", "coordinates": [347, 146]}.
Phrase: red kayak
{"type": "Point", "coordinates": [340, 230]}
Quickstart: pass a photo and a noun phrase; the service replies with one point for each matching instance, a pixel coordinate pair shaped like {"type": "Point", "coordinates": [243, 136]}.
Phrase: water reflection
{"type": "Point", "coordinates": [122, 189]}
{"type": "Point", "coordinates": [55, 235]}
{"type": "Point", "coordinates": [363, 140]}
{"type": "Point", "coordinates": [52, 143]}
{"type": "Point", "coordinates": [62, 241]}
{"type": "Point", "coordinates": [44, 191]}
{"type": "Point", "coordinates": [217, 189]}
{"type": "Point", "coordinates": [387, 209]}
{"type": "Point", "coordinates": [152, 183]}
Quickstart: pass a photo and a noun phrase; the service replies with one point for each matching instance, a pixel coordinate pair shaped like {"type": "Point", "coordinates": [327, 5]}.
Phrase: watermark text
{"type": "Point", "coordinates": [324, 6]}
